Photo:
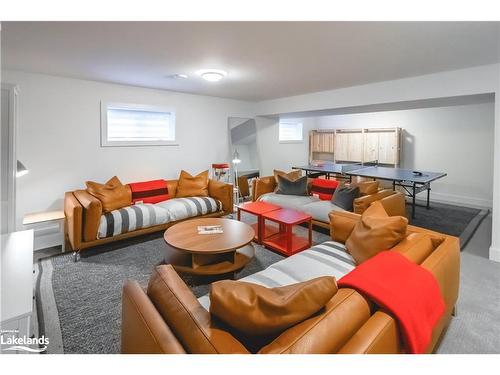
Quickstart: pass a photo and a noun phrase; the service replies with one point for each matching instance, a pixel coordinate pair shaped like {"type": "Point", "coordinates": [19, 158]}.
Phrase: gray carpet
{"type": "Point", "coordinates": [79, 304]}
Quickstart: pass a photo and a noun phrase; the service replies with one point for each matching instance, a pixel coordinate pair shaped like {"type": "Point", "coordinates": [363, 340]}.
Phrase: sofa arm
{"type": "Point", "coordinates": [362, 203]}
{"type": "Point", "coordinates": [143, 329]}
{"type": "Point", "coordinates": [222, 192]}
{"type": "Point", "coordinates": [73, 226]}
{"type": "Point", "coordinates": [92, 211]}
{"type": "Point", "coordinates": [341, 224]}
{"type": "Point", "coordinates": [262, 185]}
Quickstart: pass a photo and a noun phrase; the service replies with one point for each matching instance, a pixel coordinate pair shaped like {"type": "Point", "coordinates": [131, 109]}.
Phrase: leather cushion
{"type": "Point", "coordinates": [375, 232]}
{"type": "Point", "coordinates": [289, 187]}
{"type": "Point", "coordinates": [255, 310]}
{"type": "Point", "coordinates": [345, 196]}
{"type": "Point", "coordinates": [113, 194]}
{"type": "Point", "coordinates": [366, 187]}
{"type": "Point", "coordinates": [192, 186]}
{"type": "Point", "coordinates": [293, 175]}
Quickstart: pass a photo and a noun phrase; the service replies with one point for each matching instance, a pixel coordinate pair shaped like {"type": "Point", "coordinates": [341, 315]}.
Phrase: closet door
{"type": "Point", "coordinates": [371, 146]}
{"type": "Point", "coordinates": [388, 147]}
{"type": "Point", "coordinates": [315, 142]}
{"type": "Point", "coordinates": [341, 146]}
{"type": "Point", "coordinates": [355, 147]}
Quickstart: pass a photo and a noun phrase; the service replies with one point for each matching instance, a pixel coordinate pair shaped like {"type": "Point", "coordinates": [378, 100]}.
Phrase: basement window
{"type": "Point", "coordinates": [136, 125]}
{"type": "Point", "coordinates": [290, 132]}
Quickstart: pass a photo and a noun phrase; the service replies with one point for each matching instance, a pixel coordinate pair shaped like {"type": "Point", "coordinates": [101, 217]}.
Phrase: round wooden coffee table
{"type": "Point", "coordinates": [209, 254]}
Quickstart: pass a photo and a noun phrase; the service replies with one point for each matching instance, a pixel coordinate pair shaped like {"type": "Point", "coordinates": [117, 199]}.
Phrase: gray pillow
{"type": "Point", "coordinates": [345, 196]}
{"type": "Point", "coordinates": [289, 187]}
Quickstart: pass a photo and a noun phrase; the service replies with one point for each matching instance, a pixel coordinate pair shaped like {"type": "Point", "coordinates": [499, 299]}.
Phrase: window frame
{"type": "Point", "coordinates": [104, 125]}
{"type": "Point", "coordinates": [289, 122]}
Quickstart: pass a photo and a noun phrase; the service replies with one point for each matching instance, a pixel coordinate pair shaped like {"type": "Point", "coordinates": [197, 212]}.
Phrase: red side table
{"type": "Point", "coordinates": [285, 241]}
{"type": "Point", "coordinates": [258, 209]}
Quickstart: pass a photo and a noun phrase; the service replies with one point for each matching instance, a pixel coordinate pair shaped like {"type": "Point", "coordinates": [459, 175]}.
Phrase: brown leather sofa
{"type": "Point", "coordinates": [167, 317]}
{"type": "Point", "coordinates": [83, 214]}
{"type": "Point", "coordinates": [264, 185]}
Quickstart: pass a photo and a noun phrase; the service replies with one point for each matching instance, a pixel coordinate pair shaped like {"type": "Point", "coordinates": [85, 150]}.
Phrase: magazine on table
{"type": "Point", "coordinates": [210, 229]}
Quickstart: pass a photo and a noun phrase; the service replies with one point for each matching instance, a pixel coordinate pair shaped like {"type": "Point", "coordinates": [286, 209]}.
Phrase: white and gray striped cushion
{"type": "Point", "coordinates": [329, 258]}
{"type": "Point", "coordinates": [183, 208]}
{"type": "Point", "coordinates": [131, 218]}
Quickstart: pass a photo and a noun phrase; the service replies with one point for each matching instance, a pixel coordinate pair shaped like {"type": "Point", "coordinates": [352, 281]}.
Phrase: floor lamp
{"type": "Point", "coordinates": [236, 160]}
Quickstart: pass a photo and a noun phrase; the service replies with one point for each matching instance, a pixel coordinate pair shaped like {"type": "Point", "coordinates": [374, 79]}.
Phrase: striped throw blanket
{"type": "Point", "coordinates": [329, 258]}
{"type": "Point", "coordinates": [183, 208]}
{"type": "Point", "coordinates": [140, 216]}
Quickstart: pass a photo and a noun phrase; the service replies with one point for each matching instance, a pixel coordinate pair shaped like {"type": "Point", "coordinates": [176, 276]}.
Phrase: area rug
{"type": "Point", "coordinates": [79, 304]}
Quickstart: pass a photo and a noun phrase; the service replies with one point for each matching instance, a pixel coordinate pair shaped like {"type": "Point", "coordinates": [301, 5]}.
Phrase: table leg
{"type": "Point", "coordinates": [260, 229]}
{"type": "Point", "coordinates": [413, 203]}
{"type": "Point", "coordinates": [239, 214]}
{"type": "Point", "coordinates": [428, 195]}
{"type": "Point", "coordinates": [310, 233]}
{"type": "Point", "coordinates": [63, 237]}
{"type": "Point", "coordinates": [289, 231]}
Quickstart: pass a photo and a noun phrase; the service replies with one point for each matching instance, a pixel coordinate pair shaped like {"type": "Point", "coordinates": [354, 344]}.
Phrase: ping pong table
{"type": "Point", "coordinates": [411, 183]}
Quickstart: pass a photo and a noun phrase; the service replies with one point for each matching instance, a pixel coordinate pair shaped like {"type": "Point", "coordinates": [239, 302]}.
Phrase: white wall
{"type": "Point", "coordinates": [59, 136]}
{"type": "Point", "coordinates": [276, 155]}
{"type": "Point", "coordinates": [457, 140]}
{"type": "Point", "coordinates": [470, 81]}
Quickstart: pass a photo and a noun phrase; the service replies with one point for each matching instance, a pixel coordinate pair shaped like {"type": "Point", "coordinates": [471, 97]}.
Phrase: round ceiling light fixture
{"type": "Point", "coordinates": [212, 75]}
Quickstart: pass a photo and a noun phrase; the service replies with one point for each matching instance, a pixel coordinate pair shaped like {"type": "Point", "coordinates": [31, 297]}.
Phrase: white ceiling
{"type": "Point", "coordinates": [264, 60]}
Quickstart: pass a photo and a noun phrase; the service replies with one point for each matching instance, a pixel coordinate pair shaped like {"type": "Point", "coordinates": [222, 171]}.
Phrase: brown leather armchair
{"type": "Point", "coordinates": [167, 317]}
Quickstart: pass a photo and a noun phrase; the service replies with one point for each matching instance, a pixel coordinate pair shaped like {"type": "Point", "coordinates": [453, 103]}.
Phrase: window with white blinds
{"type": "Point", "coordinates": [290, 131]}
{"type": "Point", "coordinates": [134, 125]}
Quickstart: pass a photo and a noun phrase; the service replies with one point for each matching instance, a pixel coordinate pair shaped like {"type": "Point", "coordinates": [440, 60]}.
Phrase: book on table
{"type": "Point", "coordinates": [210, 229]}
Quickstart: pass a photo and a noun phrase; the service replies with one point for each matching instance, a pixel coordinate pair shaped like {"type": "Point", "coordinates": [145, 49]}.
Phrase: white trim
{"type": "Point", "coordinates": [104, 125]}
{"type": "Point", "coordinates": [459, 200]}
{"type": "Point", "coordinates": [13, 90]}
{"type": "Point", "coordinates": [494, 254]}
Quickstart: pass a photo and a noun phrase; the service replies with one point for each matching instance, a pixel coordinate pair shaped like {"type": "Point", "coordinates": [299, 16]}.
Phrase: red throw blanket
{"type": "Point", "coordinates": [407, 290]}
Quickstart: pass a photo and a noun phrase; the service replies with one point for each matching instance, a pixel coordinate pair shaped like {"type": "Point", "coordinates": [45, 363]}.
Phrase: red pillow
{"type": "Point", "coordinates": [324, 189]}
{"type": "Point", "coordinates": [149, 191]}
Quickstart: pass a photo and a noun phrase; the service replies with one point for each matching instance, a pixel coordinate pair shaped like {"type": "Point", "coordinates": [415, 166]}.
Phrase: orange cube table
{"type": "Point", "coordinates": [285, 241]}
{"type": "Point", "coordinates": [258, 209]}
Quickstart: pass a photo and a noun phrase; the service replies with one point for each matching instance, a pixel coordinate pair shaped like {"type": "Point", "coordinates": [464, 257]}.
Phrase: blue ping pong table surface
{"type": "Point", "coordinates": [377, 172]}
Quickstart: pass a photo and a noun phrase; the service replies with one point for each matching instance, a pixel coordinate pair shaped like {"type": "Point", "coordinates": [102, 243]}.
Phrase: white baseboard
{"type": "Point", "coordinates": [458, 200]}
{"type": "Point", "coordinates": [494, 254]}
{"type": "Point", "coordinates": [47, 237]}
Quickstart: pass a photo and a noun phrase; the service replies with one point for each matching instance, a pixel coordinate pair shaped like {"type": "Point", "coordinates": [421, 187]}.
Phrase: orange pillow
{"type": "Point", "coordinates": [375, 232]}
{"type": "Point", "coordinates": [192, 186]}
{"type": "Point", "coordinates": [113, 194]}
{"type": "Point", "coordinates": [256, 310]}
{"type": "Point", "coordinates": [292, 176]}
